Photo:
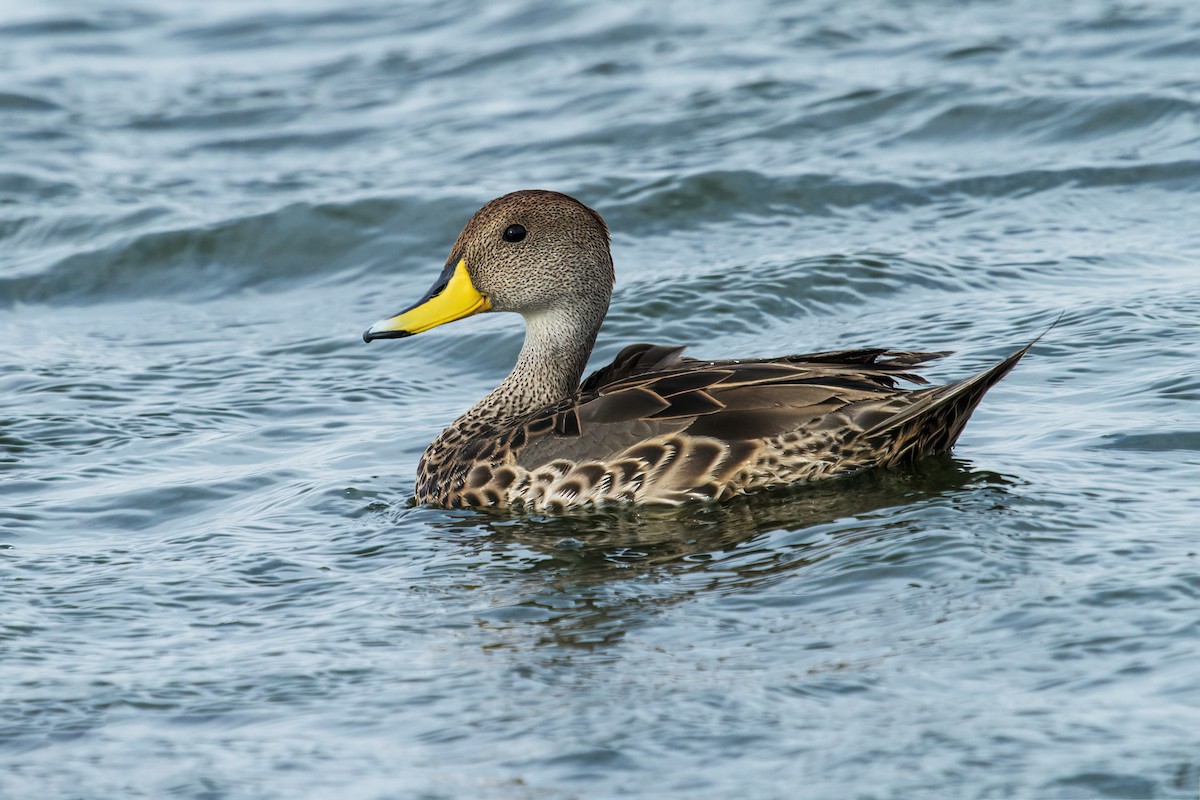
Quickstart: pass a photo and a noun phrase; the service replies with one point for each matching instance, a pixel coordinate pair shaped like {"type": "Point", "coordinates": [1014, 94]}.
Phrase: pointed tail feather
{"type": "Point", "coordinates": [934, 423]}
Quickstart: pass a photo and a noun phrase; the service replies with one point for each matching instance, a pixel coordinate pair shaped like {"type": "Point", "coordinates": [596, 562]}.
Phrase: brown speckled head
{"type": "Point", "coordinates": [535, 251]}
{"type": "Point", "coordinates": [543, 255]}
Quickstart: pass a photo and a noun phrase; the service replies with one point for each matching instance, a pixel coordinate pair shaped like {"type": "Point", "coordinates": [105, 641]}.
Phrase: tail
{"type": "Point", "coordinates": [934, 423]}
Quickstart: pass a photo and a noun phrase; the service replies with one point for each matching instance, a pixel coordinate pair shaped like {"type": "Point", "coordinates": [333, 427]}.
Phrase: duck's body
{"type": "Point", "coordinates": [652, 427]}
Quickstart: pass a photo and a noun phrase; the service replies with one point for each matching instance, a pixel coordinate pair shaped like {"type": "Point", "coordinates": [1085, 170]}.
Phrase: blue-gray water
{"type": "Point", "coordinates": [213, 583]}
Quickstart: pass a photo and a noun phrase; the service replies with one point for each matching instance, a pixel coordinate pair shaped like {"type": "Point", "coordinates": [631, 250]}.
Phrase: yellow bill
{"type": "Point", "coordinates": [452, 297]}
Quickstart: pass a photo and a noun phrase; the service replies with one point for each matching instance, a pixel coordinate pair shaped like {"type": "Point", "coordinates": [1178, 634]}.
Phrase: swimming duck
{"type": "Point", "coordinates": [652, 427]}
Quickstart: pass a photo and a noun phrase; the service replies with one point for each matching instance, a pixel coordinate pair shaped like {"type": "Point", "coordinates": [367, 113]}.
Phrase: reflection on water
{"type": "Point", "coordinates": [588, 578]}
{"type": "Point", "coordinates": [604, 545]}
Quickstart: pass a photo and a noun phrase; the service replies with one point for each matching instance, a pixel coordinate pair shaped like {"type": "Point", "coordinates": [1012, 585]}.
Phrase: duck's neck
{"type": "Point", "coordinates": [552, 360]}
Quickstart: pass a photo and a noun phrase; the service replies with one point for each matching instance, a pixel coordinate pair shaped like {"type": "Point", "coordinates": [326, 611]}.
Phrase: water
{"type": "Point", "coordinates": [213, 581]}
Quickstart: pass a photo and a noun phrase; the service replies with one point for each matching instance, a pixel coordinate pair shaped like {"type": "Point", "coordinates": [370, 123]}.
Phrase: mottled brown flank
{"type": "Point", "coordinates": [652, 426]}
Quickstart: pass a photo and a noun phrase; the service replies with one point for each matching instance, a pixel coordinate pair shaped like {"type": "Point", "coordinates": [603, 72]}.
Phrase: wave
{"type": "Point", "coordinates": [1054, 118]}
{"type": "Point", "coordinates": [290, 245]}
{"type": "Point", "coordinates": [14, 101]}
{"type": "Point", "coordinates": [300, 242]}
{"type": "Point", "coordinates": [717, 195]}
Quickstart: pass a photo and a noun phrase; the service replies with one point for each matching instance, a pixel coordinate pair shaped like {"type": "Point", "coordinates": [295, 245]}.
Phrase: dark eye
{"type": "Point", "coordinates": [514, 233]}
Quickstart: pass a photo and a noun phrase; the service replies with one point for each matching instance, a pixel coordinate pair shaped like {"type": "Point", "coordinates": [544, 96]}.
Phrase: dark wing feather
{"type": "Point", "coordinates": [650, 390]}
{"type": "Point", "coordinates": [633, 360]}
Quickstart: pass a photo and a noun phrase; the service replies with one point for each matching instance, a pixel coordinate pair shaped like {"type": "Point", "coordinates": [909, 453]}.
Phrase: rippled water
{"type": "Point", "coordinates": [214, 583]}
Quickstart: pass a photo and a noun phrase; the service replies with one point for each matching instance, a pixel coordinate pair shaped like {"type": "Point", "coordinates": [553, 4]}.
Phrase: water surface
{"type": "Point", "coordinates": [214, 583]}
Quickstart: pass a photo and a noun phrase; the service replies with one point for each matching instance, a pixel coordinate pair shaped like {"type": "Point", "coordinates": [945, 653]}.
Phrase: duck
{"type": "Point", "coordinates": [653, 427]}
